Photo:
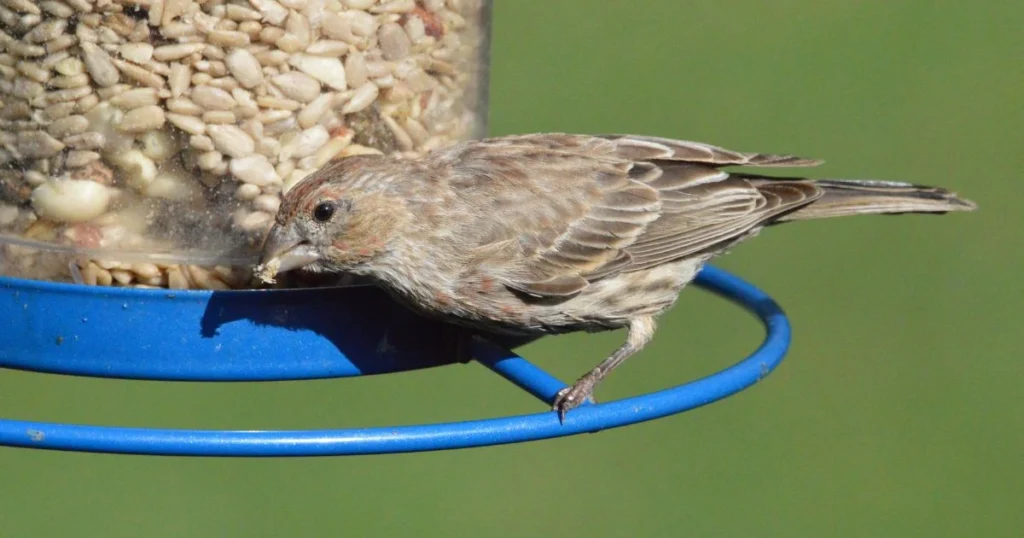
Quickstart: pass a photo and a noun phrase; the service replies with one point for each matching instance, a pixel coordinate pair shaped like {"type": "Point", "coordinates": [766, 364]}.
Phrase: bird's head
{"type": "Point", "coordinates": [336, 219]}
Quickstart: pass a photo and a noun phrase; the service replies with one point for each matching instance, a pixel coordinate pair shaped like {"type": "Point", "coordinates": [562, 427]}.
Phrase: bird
{"type": "Point", "coordinates": [552, 233]}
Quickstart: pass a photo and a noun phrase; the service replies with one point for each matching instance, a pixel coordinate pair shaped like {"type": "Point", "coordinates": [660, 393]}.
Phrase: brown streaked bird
{"type": "Point", "coordinates": [555, 233]}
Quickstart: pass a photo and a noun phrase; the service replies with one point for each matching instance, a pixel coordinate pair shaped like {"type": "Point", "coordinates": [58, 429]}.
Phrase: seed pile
{"type": "Point", "coordinates": [162, 126]}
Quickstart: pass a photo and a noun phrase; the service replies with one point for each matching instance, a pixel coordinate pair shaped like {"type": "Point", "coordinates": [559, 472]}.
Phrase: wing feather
{"type": "Point", "coordinates": [581, 208]}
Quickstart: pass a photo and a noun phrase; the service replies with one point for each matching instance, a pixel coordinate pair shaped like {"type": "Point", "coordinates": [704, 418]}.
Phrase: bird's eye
{"type": "Point", "coordinates": [323, 211]}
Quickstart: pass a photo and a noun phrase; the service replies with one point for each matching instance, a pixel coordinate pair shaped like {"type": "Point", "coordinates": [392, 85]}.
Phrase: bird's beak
{"type": "Point", "coordinates": [283, 251]}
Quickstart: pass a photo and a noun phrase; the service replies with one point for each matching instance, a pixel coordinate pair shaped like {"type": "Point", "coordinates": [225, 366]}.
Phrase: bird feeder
{"type": "Point", "coordinates": [285, 335]}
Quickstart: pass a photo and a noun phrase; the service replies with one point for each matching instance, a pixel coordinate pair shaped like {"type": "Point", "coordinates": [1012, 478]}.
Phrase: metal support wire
{"type": "Point", "coordinates": [428, 437]}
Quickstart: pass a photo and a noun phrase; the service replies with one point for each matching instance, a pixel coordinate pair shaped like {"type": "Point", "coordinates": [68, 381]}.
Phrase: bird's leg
{"type": "Point", "coordinates": [638, 334]}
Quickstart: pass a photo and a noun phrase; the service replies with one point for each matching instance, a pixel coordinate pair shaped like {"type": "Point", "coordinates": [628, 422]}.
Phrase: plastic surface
{"type": "Point", "coordinates": [210, 336]}
{"type": "Point", "coordinates": [542, 425]}
{"type": "Point", "coordinates": [112, 150]}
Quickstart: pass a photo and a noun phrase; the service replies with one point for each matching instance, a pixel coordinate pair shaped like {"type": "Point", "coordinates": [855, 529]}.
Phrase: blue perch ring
{"type": "Point", "coordinates": [305, 334]}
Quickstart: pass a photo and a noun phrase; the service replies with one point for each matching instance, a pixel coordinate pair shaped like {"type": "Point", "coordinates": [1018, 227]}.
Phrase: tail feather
{"type": "Point", "coordinates": [841, 198]}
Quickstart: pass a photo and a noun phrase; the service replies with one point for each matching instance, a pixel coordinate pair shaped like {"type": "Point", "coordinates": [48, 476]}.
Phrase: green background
{"type": "Point", "coordinates": [897, 413]}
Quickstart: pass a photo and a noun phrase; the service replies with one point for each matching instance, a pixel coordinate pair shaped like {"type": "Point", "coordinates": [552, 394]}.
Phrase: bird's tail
{"type": "Point", "coordinates": [843, 198]}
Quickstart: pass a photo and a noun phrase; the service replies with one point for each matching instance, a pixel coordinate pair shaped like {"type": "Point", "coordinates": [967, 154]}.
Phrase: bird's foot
{"type": "Point", "coordinates": [572, 397]}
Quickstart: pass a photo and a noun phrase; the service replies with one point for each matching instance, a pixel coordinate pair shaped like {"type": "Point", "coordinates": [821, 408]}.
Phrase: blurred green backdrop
{"type": "Point", "coordinates": [897, 413]}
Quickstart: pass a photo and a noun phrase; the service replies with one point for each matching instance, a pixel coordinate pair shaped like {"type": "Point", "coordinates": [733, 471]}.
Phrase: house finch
{"type": "Point", "coordinates": [555, 233]}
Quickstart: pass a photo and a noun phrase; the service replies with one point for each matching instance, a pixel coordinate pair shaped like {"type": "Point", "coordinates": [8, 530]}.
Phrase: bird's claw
{"type": "Point", "coordinates": [572, 397]}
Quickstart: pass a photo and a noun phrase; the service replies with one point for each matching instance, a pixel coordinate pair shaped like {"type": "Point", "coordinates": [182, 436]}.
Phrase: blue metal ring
{"type": "Point", "coordinates": [427, 437]}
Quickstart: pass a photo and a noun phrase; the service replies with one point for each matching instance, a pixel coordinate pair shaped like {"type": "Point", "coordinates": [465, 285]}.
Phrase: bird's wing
{"type": "Point", "coordinates": [556, 212]}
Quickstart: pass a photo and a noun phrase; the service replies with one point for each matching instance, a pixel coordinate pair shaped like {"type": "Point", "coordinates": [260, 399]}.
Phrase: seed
{"type": "Point", "coordinates": [173, 9]}
{"type": "Point", "coordinates": [212, 98]}
{"type": "Point", "coordinates": [305, 143]}
{"type": "Point", "coordinates": [46, 31]}
{"type": "Point", "coordinates": [139, 74]}
{"type": "Point", "coordinates": [57, 9]}
{"type": "Point", "coordinates": [357, 149]}
{"type": "Point", "coordinates": [135, 98]}
{"type": "Point", "coordinates": [297, 86]}
{"type": "Point", "coordinates": [328, 47]}
{"type": "Point", "coordinates": [269, 147]}
{"type": "Point", "coordinates": [205, 279]}
{"type": "Point", "coordinates": [177, 30]}
{"type": "Point", "coordinates": [270, 34]}
{"type": "Point", "coordinates": [85, 104]}
{"type": "Point", "coordinates": [60, 43]}
{"type": "Point", "coordinates": [338, 26]}
{"type": "Point", "coordinates": [70, 200]}
{"type": "Point", "coordinates": [89, 140]}
{"type": "Point", "coordinates": [68, 126]}
{"type": "Point", "coordinates": [146, 270]}
{"type": "Point", "coordinates": [330, 71]}
{"type": "Point", "coordinates": [26, 88]}
{"type": "Point", "coordinates": [112, 91]}
{"type": "Point", "coordinates": [361, 23]}
{"type": "Point", "coordinates": [394, 42]}
{"type": "Point", "coordinates": [220, 117]}
{"type": "Point", "coordinates": [142, 119]}
{"type": "Point", "coordinates": [25, 50]}
{"type": "Point", "coordinates": [247, 191]}
{"type": "Point", "coordinates": [108, 36]}
{"type": "Point", "coordinates": [330, 150]}
{"type": "Point", "coordinates": [52, 112]}
{"type": "Point", "coordinates": [73, 81]}
{"type": "Point", "coordinates": [394, 6]}
{"type": "Point", "coordinates": [273, 12]}
{"type": "Point", "coordinates": [401, 137]}
{"type": "Point", "coordinates": [189, 124]}
{"type": "Point", "coordinates": [315, 110]}
{"type": "Point", "coordinates": [289, 43]}
{"type": "Point", "coordinates": [70, 67]}
{"type": "Point", "coordinates": [33, 71]}
{"type": "Point", "coordinates": [201, 142]}
{"type": "Point", "coordinates": [378, 69]}
{"type": "Point", "coordinates": [268, 203]}
{"type": "Point", "coordinates": [272, 58]}
{"type": "Point", "coordinates": [172, 185]}
{"type": "Point", "coordinates": [244, 67]}
{"type": "Point", "coordinates": [240, 13]}
{"type": "Point", "coordinates": [355, 69]}
{"type": "Point", "coordinates": [201, 79]}
{"type": "Point", "coordinates": [176, 279]}
{"type": "Point", "coordinates": [416, 29]}
{"type": "Point", "coordinates": [49, 62]}
{"type": "Point", "coordinates": [215, 68]}
{"type": "Point", "coordinates": [416, 131]}
{"type": "Point", "coordinates": [209, 160]}
{"type": "Point", "coordinates": [256, 220]}
{"type": "Point", "coordinates": [182, 105]}
{"type": "Point", "coordinates": [254, 169]}
{"type": "Point", "coordinates": [77, 158]}
{"type": "Point", "coordinates": [293, 178]}
{"type": "Point", "coordinates": [363, 97]}
{"type": "Point", "coordinates": [99, 65]}
{"type": "Point", "coordinates": [225, 83]}
{"type": "Point", "coordinates": [139, 53]}
{"type": "Point", "coordinates": [70, 94]}
{"type": "Point", "coordinates": [228, 38]}
{"type": "Point", "coordinates": [231, 140]}
{"type": "Point", "coordinates": [298, 26]}
{"type": "Point", "coordinates": [168, 53]}
{"type": "Point", "coordinates": [179, 79]}
{"type": "Point", "coordinates": [36, 144]}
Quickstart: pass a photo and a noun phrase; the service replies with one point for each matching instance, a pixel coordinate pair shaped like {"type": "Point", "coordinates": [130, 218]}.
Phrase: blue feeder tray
{"type": "Point", "coordinates": [305, 334]}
